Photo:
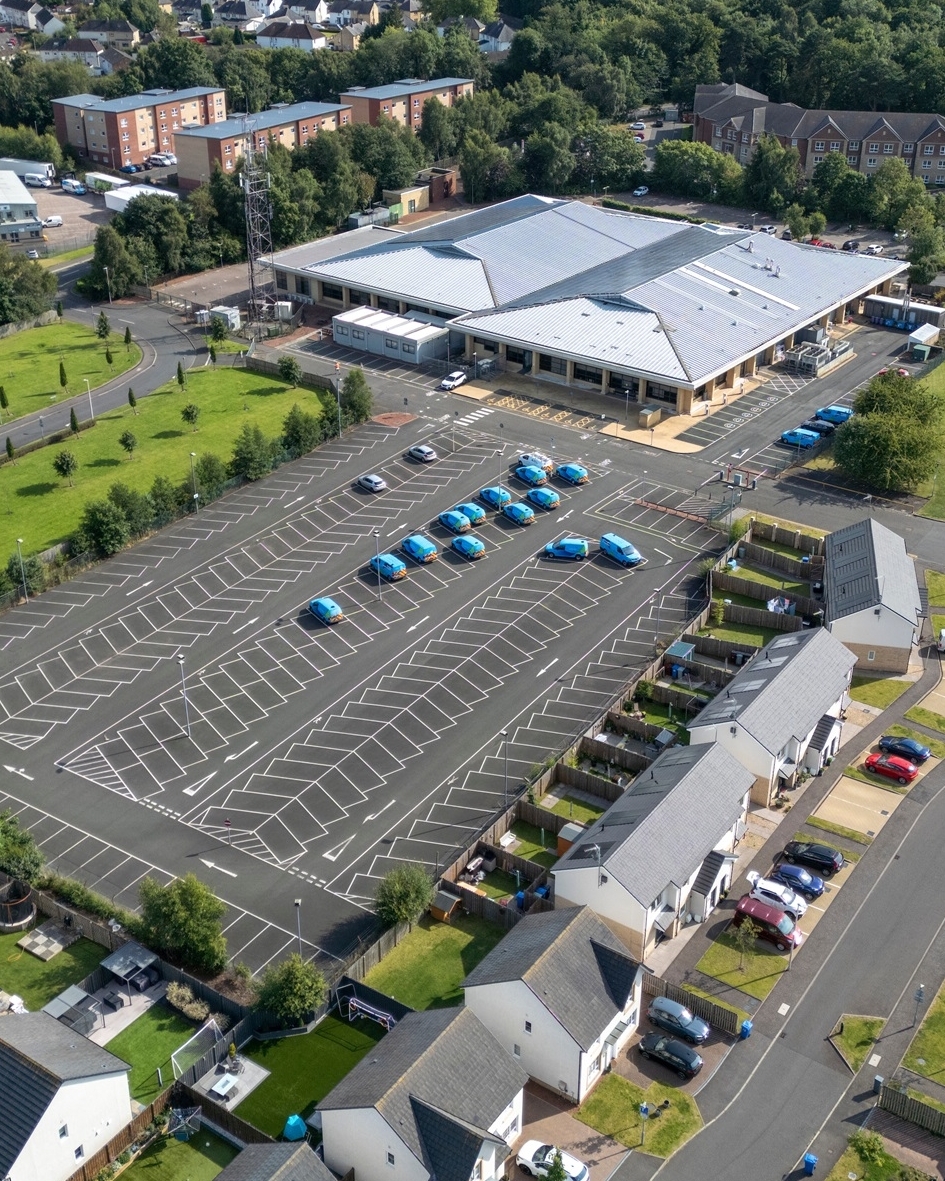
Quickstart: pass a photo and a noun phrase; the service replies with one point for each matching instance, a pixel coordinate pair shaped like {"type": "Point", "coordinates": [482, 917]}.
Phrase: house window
{"type": "Point", "coordinates": [476, 1174]}
{"type": "Point", "coordinates": [731, 135]}
{"type": "Point", "coordinates": [164, 127]}
{"type": "Point", "coordinates": [871, 655]}
{"type": "Point", "coordinates": [341, 330]}
{"type": "Point", "coordinates": [510, 1131]}
{"type": "Point", "coordinates": [329, 290]}
{"type": "Point", "coordinates": [835, 145]}
{"type": "Point", "coordinates": [173, 110]}
{"type": "Point", "coordinates": [870, 161]}
{"type": "Point", "coordinates": [63, 1131]}
{"type": "Point", "coordinates": [305, 129]}
{"type": "Point", "coordinates": [553, 365]}
{"type": "Point", "coordinates": [416, 102]}
{"type": "Point", "coordinates": [888, 149]}
{"type": "Point", "coordinates": [873, 148]}
{"type": "Point", "coordinates": [302, 286]}
{"type": "Point", "coordinates": [818, 145]}
{"type": "Point", "coordinates": [528, 1027]}
{"type": "Point", "coordinates": [386, 109]}
{"type": "Point", "coordinates": [282, 280]}
{"type": "Point", "coordinates": [852, 160]}
{"type": "Point", "coordinates": [161, 114]}
{"type": "Point", "coordinates": [516, 1049]}
{"type": "Point", "coordinates": [123, 123]}
{"type": "Point", "coordinates": [928, 150]}
{"type": "Point", "coordinates": [390, 1158]}
{"type": "Point", "coordinates": [793, 143]}
{"type": "Point", "coordinates": [854, 145]}
{"type": "Point", "coordinates": [818, 159]}
{"type": "Point", "coordinates": [908, 149]}
{"type": "Point", "coordinates": [717, 132]}
{"type": "Point", "coordinates": [79, 1152]}
{"type": "Point", "coordinates": [125, 135]}
{"type": "Point", "coordinates": [926, 163]}
{"type": "Point", "coordinates": [744, 137]}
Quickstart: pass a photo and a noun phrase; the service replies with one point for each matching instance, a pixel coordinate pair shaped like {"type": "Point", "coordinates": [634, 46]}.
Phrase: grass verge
{"type": "Point", "coordinates": [880, 1167]}
{"type": "Point", "coordinates": [147, 1044]}
{"type": "Point", "coordinates": [760, 974]}
{"type": "Point", "coordinates": [840, 830]}
{"type": "Point", "coordinates": [741, 1014]}
{"type": "Point", "coordinates": [613, 1109]}
{"type": "Point", "coordinates": [934, 744]}
{"type": "Point", "coordinates": [37, 983]}
{"type": "Point", "coordinates": [302, 1070]}
{"type": "Point", "coordinates": [425, 970]}
{"type": "Point", "coordinates": [879, 692]}
{"type": "Point", "coordinates": [857, 1037]}
{"type": "Point", "coordinates": [535, 844]}
{"type": "Point", "coordinates": [926, 1054]}
{"type": "Point", "coordinates": [926, 717]}
{"type": "Point", "coordinates": [200, 1158]}
{"type": "Point", "coordinates": [575, 809]}
{"type": "Point", "coordinates": [53, 260]}
{"type": "Point", "coordinates": [935, 585]}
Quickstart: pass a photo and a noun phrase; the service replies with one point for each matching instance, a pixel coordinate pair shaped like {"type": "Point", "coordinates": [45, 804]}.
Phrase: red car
{"type": "Point", "coordinates": [892, 766]}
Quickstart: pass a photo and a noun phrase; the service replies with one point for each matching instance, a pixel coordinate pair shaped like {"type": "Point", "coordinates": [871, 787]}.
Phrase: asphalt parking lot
{"type": "Point", "coordinates": [81, 217]}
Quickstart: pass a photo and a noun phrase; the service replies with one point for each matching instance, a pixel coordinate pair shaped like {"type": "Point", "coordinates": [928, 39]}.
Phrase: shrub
{"type": "Point", "coordinates": [717, 613]}
{"type": "Point", "coordinates": [291, 990]}
{"type": "Point", "coordinates": [20, 856]}
{"type": "Point", "coordinates": [290, 371]}
{"type": "Point", "coordinates": [404, 894]}
{"type": "Point", "coordinates": [211, 476]}
{"type": "Point", "coordinates": [868, 1146]}
{"type": "Point", "coordinates": [181, 997]}
{"type": "Point", "coordinates": [33, 569]}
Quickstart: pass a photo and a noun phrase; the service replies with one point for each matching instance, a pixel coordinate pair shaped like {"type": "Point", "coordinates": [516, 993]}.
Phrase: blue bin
{"type": "Point", "coordinates": [810, 1163]}
{"type": "Point", "coordinates": [542, 892]}
{"type": "Point", "coordinates": [520, 899]}
{"type": "Point", "coordinates": [745, 1030]}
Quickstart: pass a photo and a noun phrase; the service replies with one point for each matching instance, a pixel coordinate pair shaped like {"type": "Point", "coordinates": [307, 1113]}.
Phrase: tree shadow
{"type": "Point", "coordinates": [104, 463]}
{"type": "Point", "coordinates": [36, 489]}
{"type": "Point", "coordinates": [168, 435]}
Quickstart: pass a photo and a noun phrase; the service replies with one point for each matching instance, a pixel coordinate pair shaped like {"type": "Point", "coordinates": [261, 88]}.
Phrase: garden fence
{"type": "Point", "coordinates": [612, 756]}
{"type": "Point", "coordinates": [359, 966]}
{"type": "Point", "coordinates": [751, 617]}
{"type": "Point", "coordinates": [632, 727]}
{"type": "Point", "coordinates": [793, 538]}
{"type": "Point", "coordinates": [347, 986]}
{"type": "Point", "coordinates": [716, 1015]}
{"type": "Point", "coordinates": [590, 782]}
{"type": "Point", "coordinates": [914, 1110]}
{"type": "Point", "coordinates": [487, 908]}
{"type": "Point", "coordinates": [760, 590]}
{"type": "Point", "coordinates": [539, 817]}
{"type": "Point", "coordinates": [772, 560]}
{"type": "Point", "coordinates": [719, 649]}
{"type": "Point", "coordinates": [687, 703]}
{"type": "Point", "coordinates": [184, 1095]}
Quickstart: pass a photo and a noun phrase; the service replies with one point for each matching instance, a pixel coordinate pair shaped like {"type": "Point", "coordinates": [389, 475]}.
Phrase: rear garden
{"type": "Point", "coordinates": [147, 1044]}
{"type": "Point", "coordinates": [200, 1158]}
{"type": "Point", "coordinates": [26, 976]}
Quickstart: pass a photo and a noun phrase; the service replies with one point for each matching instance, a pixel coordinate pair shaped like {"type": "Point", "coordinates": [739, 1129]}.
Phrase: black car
{"type": "Point", "coordinates": [823, 858]}
{"type": "Point", "coordinates": [820, 425]}
{"type": "Point", "coordinates": [906, 748]}
{"type": "Point", "coordinates": [676, 1055]}
{"type": "Point", "coordinates": [853, 245]}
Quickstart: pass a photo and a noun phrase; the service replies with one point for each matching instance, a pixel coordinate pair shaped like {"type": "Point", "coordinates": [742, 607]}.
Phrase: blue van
{"type": "Point", "coordinates": [620, 550]}
{"type": "Point", "coordinates": [834, 414]}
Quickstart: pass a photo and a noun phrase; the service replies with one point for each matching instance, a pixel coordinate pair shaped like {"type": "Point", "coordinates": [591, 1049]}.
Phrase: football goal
{"type": "Point", "coordinates": [206, 1038]}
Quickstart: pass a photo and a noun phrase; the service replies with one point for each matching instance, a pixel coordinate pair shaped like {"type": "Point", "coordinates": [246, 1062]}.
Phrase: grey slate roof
{"type": "Point", "coordinates": [284, 116]}
{"type": "Point", "coordinates": [38, 1054]}
{"type": "Point", "coordinates": [866, 566]}
{"type": "Point", "coordinates": [664, 826]}
{"type": "Point", "coordinates": [783, 692]}
{"type": "Point", "coordinates": [573, 963]}
{"type": "Point", "coordinates": [449, 1061]}
{"type": "Point", "coordinates": [277, 1162]}
{"type": "Point", "coordinates": [403, 86]}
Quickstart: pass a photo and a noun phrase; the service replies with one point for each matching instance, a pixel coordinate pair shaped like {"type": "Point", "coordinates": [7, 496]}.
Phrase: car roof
{"type": "Point", "coordinates": [755, 908]}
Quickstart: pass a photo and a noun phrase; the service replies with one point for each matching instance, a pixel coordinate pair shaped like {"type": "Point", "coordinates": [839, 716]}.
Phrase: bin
{"type": "Point", "coordinates": [810, 1163]}
{"type": "Point", "coordinates": [520, 900]}
{"type": "Point", "coordinates": [745, 1030]}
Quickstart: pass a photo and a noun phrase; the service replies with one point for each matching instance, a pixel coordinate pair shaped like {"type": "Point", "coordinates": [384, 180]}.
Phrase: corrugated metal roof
{"type": "Point", "coordinates": [866, 565]}
{"type": "Point", "coordinates": [418, 274]}
{"type": "Point", "coordinates": [402, 327]}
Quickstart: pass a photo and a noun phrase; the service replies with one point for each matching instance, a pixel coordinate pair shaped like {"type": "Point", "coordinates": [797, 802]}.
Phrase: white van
{"type": "Point", "coordinates": [37, 180]}
{"type": "Point", "coordinates": [941, 640]}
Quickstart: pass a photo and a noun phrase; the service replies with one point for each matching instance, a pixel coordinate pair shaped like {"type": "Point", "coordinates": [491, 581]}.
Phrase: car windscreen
{"type": "Point", "coordinates": [786, 925]}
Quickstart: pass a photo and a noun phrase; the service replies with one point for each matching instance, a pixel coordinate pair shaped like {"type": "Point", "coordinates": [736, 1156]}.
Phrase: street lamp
{"type": "Point", "coordinates": [42, 429]}
{"type": "Point", "coordinates": [338, 396]}
{"type": "Point", "coordinates": [183, 689]}
{"type": "Point", "coordinates": [298, 922]}
{"type": "Point", "coordinates": [193, 476]}
{"type": "Point", "coordinates": [377, 557]}
{"type": "Point", "coordinates": [918, 997]}
{"type": "Point", "coordinates": [505, 736]}
{"type": "Point", "coordinates": [19, 543]}
{"type": "Point", "coordinates": [88, 390]}
{"type": "Point", "coordinates": [109, 283]}
{"type": "Point", "coordinates": [501, 450]}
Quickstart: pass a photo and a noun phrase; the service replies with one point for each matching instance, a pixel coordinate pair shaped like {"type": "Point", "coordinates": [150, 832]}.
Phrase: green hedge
{"type": "Point", "coordinates": [610, 203]}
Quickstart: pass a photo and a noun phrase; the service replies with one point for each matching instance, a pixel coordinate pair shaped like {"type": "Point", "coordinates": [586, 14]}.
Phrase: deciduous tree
{"type": "Point", "coordinates": [66, 465]}
{"type": "Point", "coordinates": [291, 990]}
{"type": "Point", "coordinates": [403, 894]}
{"type": "Point", "coordinates": [182, 920]}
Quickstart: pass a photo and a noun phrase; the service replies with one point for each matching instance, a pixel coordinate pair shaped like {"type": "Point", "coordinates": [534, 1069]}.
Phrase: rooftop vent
{"type": "Point", "coordinates": [734, 291]}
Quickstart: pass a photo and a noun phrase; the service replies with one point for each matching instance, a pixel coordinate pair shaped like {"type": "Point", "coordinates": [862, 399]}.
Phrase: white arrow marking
{"type": "Point", "coordinates": [128, 594]}
{"type": "Point", "coordinates": [17, 771]}
{"type": "Point", "coordinates": [542, 671]}
{"type": "Point", "coordinates": [248, 623]}
{"type": "Point", "coordinates": [660, 552]}
{"type": "Point", "coordinates": [375, 815]}
{"type": "Point", "coordinates": [239, 754]}
{"type": "Point", "coordinates": [334, 854]}
{"type": "Point", "coordinates": [397, 530]}
{"type": "Point", "coordinates": [212, 865]}
{"type": "Point", "coordinates": [564, 516]}
{"type": "Point", "coordinates": [297, 499]}
{"type": "Point", "coordinates": [413, 627]}
{"type": "Point", "coordinates": [192, 791]}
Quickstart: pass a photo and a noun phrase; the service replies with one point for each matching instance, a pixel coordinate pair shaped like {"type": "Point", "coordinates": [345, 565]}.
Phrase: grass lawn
{"type": "Point", "coordinates": [881, 1168]}
{"type": "Point", "coordinates": [935, 746]}
{"type": "Point", "coordinates": [535, 844]}
{"type": "Point", "coordinates": [777, 582]}
{"type": "Point", "coordinates": [763, 967]}
{"type": "Point", "coordinates": [658, 714]}
{"type": "Point", "coordinates": [200, 1158]}
{"type": "Point", "coordinates": [229, 346]}
{"type": "Point", "coordinates": [938, 622]}
{"type": "Point", "coordinates": [148, 1044]}
{"type": "Point", "coordinates": [425, 970]}
{"type": "Point", "coordinates": [926, 1099]}
{"type": "Point", "coordinates": [935, 585]}
{"type": "Point", "coordinates": [742, 1014]}
{"type": "Point", "coordinates": [53, 260]}
{"type": "Point", "coordinates": [880, 692]}
{"type": "Point", "coordinates": [613, 1109]}
{"type": "Point", "coordinates": [928, 1045]}
{"type": "Point", "coordinates": [734, 633]}
{"type": "Point", "coordinates": [858, 1037]}
{"type": "Point", "coordinates": [574, 809]}
{"type": "Point", "coordinates": [926, 717]}
{"type": "Point", "coordinates": [43, 509]}
{"type": "Point", "coordinates": [723, 596]}
{"type": "Point", "coordinates": [37, 983]}
{"type": "Point", "coordinates": [500, 884]}
{"type": "Point", "coordinates": [29, 364]}
{"type": "Point", "coordinates": [303, 1070]}
{"type": "Point", "coordinates": [840, 830]}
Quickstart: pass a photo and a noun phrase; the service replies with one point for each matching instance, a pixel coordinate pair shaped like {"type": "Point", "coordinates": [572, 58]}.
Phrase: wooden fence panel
{"type": "Point", "coordinates": [490, 910]}
{"type": "Point", "coordinates": [795, 539]}
{"type": "Point", "coordinates": [779, 623]}
{"type": "Point", "coordinates": [346, 987]}
{"type": "Point", "coordinates": [793, 567]}
{"type": "Point", "coordinates": [586, 781]}
{"type": "Point", "coordinates": [759, 590]}
{"type": "Point", "coordinates": [914, 1110]}
{"type": "Point", "coordinates": [625, 724]}
{"type": "Point", "coordinates": [540, 817]}
{"type": "Point", "coordinates": [719, 649]}
{"type": "Point", "coordinates": [617, 756]}
{"type": "Point", "coordinates": [214, 1113]}
{"type": "Point", "coordinates": [717, 1016]}
{"type": "Point", "coordinates": [373, 954]}
{"type": "Point", "coordinates": [688, 703]}
{"type": "Point", "coordinates": [131, 1134]}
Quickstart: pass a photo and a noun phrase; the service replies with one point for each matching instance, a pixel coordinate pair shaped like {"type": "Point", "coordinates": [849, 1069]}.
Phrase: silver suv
{"type": "Point", "coordinates": [775, 894]}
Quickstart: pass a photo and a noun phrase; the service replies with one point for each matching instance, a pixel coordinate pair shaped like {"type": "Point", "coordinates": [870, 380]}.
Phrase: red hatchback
{"type": "Point", "coordinates": [892, 766]}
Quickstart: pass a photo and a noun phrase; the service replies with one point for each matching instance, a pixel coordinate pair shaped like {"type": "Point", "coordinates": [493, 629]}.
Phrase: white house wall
{"type": "Point", "coordinates": [508, 1126]}
{"type": "Point", "coordinates": [360, 1139]}
{"type": "Point", "coordinates": [886, 630]}
{"type": "Point", "coordinates": [91, 1110]}
{"type": "Point", "coordinates": [619, 910]}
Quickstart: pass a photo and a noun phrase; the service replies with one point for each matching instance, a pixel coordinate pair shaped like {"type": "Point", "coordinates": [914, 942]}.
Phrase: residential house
{"type": "Point", "coordinates": [284, 34]}
{"type": "Point", "coordinates": [871, 595]}
{"type": "Point", "coordinates": [411, 10]}
{"type": "Point", "coordinates": [732, 118]}
{"type": "Point", "coordinates": [438, 1098]}
{"type": "Point", "coordinates": [116, 34]}
{"type": "Point", "coordinates": [315, 11]}
{"type": "Point", "coordinates": [561, 994]}
{"type": "Point", "coordinates": [353, 12]}
{"type": "Point", "coordinates": [64, 1098]}
{"type": "Point", "coordinates": [128, 130]}
{"type": "Point", "coordinates": [26, 14]}
{"type": "Point", "coordinates": [470, 25]}
{"type": "Point", "coordinates": [276, 1162]}
{"type": "Point", "coordinates": [97, 58]}
{"type": "Point", "coordinates": [200, 149]}
{"type": "Point", "coordinates": [662, 854]}
{"type": "Point", "coordinates": [403, 100]}
{"type": "Point", "coordinates": [349, 37]}
{"type": "Point", "coordinates": [497, 36]}
{"type": "Point", "coordinates": [781, 714]}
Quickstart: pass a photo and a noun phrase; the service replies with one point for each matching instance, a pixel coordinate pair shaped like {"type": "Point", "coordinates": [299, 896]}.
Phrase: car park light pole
{"type": "Point", "coordinates": [919, 997]}
{"type": "Point", "coordinates": [505, 737]}
{"type": "Point", "coordinates": [377, 556]}
{"type": "Point", "coordinates": [19, 554]}
{"type": "Point", "coordinates": [88, 390]}
{"type": "Point", "coordinates": [183, 689]}
{"type": "Point", "coordinates": [193, 476]}
{"type": "Point", "coordinates": [298, 922]}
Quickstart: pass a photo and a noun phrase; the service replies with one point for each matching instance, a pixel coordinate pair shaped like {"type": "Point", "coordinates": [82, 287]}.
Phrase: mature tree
{"type": "Point", "coordinates": [20, 856]}
{"type": "Point", "coordinates": [891, 395]}
{"type": "Point", "coordinates": [103, 528]}
{"type": "Point", "coordinates": [357, 401]}
{"type": "Point", "coordinates": [926, 250]}
{"type": "Point", "coordinates": [797, 222]}
{"type": "Point", "coordinates": [252, 458]}
{"type": "Point", "coordinates": [111, 252]}
{"type": "Point", "coordinates": [890, 454]}
{"type": "Point", "coordinates": [73, 421]}
{"type": "Point", "coordinates": [772, 175]}
{"type": "Point", "coordinates": [175, 62]}
{"type": "Point", "coordinates": [487, 170]}
{"type": "Point", "coordinates": [290, 371]}
{"type": "Point", "coordinates": [827, 182]}
{"type": "Point", "coordinates": [136, 507]}
{"type": "Point", "coordinates": [291, 990]}
{"type": "Point", "coordinates": [818, 223]}
{"type": "Point", "coordinates": [32, 568]}
{"type": "Point", "coordinates": [109, 358]}
{"type": "Point", "coordinates": [301, 432]}
{"type": "Point", "coordinates": [26, 288]}
{"type": "Point", "coordinates": [133, 401]}
{"type": "Point", "coordinates": [484, 10]}
{"type": "Point", "coordinates": [206, 16]}
{"type": "Point", "coordinates": [548, 162]}
{"type": "Point", "coordinates": [403, 894]}
{"type": "Point", "coordinates": [158, 220]}
{"type": "Point", "coordinates": [219, 329]}
{"type": "Point", "coordinates": [696, 170]}
{"type": "Point", "coordinates": [388, 151]}
{"type": "Point", "coordinates": [102, 327]}
{"type": "Point", "coordinates": [608, 158]}
{"type": "Point", "coordinates": [211, 475]}
{"type": "Point", "coordinates": [439, 128]}
{"type": "Point", "coordinates": [244, 74]}
{"type": "Point", "coordinates": [893, 190]}
{"type": "Point", "coordinates": [166, 501]}
{"type": "Point", "coordinates": [66, 465]}
{"type": "Point", "coordinates": [190, 414]}
{"type": "Point", "coordinates": [182, 920]}
{"type": "Point", "coordinates": [343, 186]}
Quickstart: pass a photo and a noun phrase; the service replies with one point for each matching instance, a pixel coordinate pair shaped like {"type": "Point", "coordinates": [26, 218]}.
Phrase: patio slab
{"type": "Point", "coordinates": [47, 941]}
{"type": "Point", "coordinates": [115, 1020]}
{"type": "Point", "coordinates": [247, 1080]}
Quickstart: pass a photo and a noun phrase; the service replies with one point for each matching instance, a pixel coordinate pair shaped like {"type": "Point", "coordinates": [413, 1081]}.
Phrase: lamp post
{"type": "Point", "coordinates": [88, 390]}
{"type": "Point", "coordinates": [501, 450]}
{"type": "Point", "coordinates": [108, 282]}
{"type": "Point", "coordinates": [338, 396]}
{"type": "Point", "coordinates": [377, 556]}
{"type": "Point", "coordinates": [42, 429]}
{"type": "Point", "coordinates": [298, 922]}
{"type": "Point", "coordinates": [19, 552]}
{"type": "Point", "coordinates": [183, 689]}
{"type": "Point", "coordinates": [193, 476]}
{"type": "Point", "coordinates": [918, 997]}
{"type": "Point", "coordinates": [505, 737]}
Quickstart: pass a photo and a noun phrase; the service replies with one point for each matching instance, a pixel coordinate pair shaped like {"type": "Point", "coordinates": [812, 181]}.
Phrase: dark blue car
{"type": "Point", "coordinates": [908, 748]}
{"type": "Point", "coordinates": [797, 878]}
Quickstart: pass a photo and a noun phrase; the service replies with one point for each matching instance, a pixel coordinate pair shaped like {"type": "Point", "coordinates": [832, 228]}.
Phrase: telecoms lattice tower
{"type": "Point", "coordinates": [255, 181]}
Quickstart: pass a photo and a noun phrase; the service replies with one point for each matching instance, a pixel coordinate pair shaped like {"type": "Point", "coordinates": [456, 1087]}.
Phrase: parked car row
{"type": "Point", "coordinates": [812, 430]}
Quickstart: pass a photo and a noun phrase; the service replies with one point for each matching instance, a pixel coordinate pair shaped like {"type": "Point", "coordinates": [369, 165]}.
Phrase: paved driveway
{"type": "Point", "coordinates": [633, 1066]}
{"type": "Point", "coordinates": [548, 1118]}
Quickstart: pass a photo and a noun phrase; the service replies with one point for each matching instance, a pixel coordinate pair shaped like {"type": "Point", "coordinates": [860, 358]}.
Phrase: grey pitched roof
{"type": "Point", "coordinates": [783, 692]}
{"type": "Point", "coordinates": [866, 565]}
{"type": "Point", "coordinates": [450, 1145]}
{"type": "Point", "coordinates": [447, 1059]}
{"type": "Point", "coordinates": [573, 963]}
{"type": "Point", "coordinates": [109, 26]}
{"type": "Point", "coordinates": [291, 30]}
{"type": "Point", "coordinates": [664, 826]}
{"type": "Point", "coordinates": [38, 1054]}
{"type": "Point", "coordinates": [277, 1162]}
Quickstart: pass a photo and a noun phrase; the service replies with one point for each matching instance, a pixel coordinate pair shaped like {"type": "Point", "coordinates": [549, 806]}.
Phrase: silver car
{"type": "Point", "coordinates": [372, 483]}
{"type": "Point", "coordinates": [452, 380]}
{"type": "Point", "coordinates": [775, 894]}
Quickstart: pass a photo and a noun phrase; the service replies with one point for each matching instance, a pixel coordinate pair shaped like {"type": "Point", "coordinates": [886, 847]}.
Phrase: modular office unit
{"type": "Point", "coordinates": [411, 339]}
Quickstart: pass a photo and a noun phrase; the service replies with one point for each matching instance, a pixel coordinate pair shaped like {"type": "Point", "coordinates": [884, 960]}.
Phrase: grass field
{"type": "Point", "coordinates": [775, 581]}
{"type": "Point", "coordinates": [926, 1055]}
{"type": "Point", "coordinates": [200, 1158]}
{"type": "Point", "coordinates": [43, 509]}
{"type": "Point", "coordinates": [425, 970]}
{"type": "Point", "coordinates": [37, 983]}
{"type": "Point", "coordinates": [762, 971]}
{"type": "Point", "coordinates": [858, 1037]}
{"type": "Point", "coordinates": [29, 365]}
{"type": "Point", "coordinates": [530, 844]}
{"type": "Point", "coordinates": [880, 692]}
{"type": "Point", "coordinates": [935, 585]}
{"type": "Point", "coordinates": [926, 717]}
{"type": "Point", "coordinates": [499, 884]}
{"type": "Point", "coordinates": [935, 506]}
{"type": "Point", "coordinates": [303, 1070]}
{"type": "Point", "coordinates": [613, 1109]}
{"type": "Point", "coordinates": [807, 530]}
{"type": "Point", "coordinates": [580, 810]}
{"type": "Point", "coordinates": [148, 1044]}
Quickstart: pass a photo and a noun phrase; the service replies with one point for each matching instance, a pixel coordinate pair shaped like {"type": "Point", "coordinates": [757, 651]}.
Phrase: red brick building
{"type": "Point", "coordinates": [403, 101]}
